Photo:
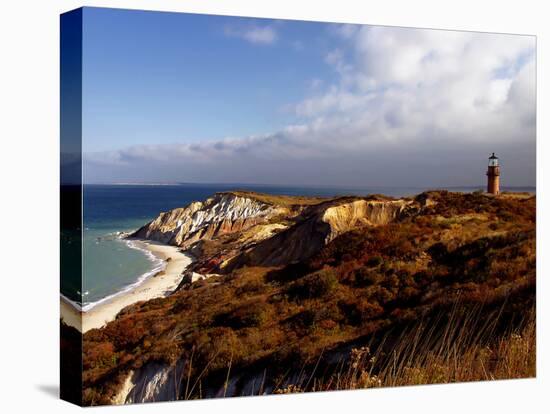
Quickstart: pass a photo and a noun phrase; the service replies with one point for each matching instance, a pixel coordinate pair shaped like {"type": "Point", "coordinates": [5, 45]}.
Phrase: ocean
{"type": "Point", "coordinates": [112, 265]}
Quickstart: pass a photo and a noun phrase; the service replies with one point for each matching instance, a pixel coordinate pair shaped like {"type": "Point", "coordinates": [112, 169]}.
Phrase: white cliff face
{"type": "Point", "coordinates": [154, 382]}
{"type": "Point", "coordinates": [161, 382]}
{"type": "Point", "coordinates": [222, 213]}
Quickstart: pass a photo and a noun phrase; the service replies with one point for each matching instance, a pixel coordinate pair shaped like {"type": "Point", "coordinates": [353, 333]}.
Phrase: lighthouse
{"type": "Point", "coordinates": [493, 175]}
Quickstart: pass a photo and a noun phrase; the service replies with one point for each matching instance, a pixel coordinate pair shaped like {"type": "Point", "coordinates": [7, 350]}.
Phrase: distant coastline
{"type": "Point", "coordinates": [381, 189]}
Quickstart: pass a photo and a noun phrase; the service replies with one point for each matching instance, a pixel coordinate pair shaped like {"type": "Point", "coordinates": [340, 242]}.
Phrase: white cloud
{"type": "Point", "coordinates": [409, 81]}
{"type": "Point", "coordinates": [262, 35]}
{"type": "Point", "coordinates": [409, 107]}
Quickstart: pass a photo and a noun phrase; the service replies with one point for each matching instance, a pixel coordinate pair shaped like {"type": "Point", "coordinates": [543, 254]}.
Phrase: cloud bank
{"type": "Point", "coordinates": [410, 107]}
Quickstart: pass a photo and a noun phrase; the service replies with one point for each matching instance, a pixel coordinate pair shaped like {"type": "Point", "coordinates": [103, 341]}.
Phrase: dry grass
{"type": "Point", "coordinates": [364, 283]}
{"type": "Point", "coordinates": [516, 195]}
{"type": "Point", "coordinates": [281, 200]}
{"type": "Point", "coordinates": [461, 352]}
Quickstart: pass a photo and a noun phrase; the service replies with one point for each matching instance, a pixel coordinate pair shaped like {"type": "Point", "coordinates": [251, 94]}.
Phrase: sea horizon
{"type": "Point", "coordinates": [530, 188]}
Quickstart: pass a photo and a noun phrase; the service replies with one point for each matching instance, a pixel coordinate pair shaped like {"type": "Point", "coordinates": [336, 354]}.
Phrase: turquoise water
{"type": "Point", "coordinates": [111, 265]}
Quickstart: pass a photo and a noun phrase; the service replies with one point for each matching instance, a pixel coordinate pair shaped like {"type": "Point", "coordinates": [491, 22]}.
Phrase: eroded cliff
{"type": "Point", "coordinates": [230, 230]}
{"type": "Point", "coordinates": [221, 214]}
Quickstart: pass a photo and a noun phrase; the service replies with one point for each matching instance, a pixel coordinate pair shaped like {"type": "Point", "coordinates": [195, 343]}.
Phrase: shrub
{"type": "Point", "coordinates": [356, 313]}
{"type": "Point", "coordinates": [304, 319]}
{"type": "Point", "coordinates": [315, 285]}
{"type": "Point", "coordinates": [100, 355]}
{"type": "Point", "coordinates": [217, 349]}
{"type": "Point", "coordinates": [252, 314]}
{"type": "Point", "coordinates": [351, 312]}
{"type": "Point", "coordinates": [252, 287]}
{"type": "Point", "coordinates": [391, 282]}
{"type": "Point", "coordinates": [380, 294]}
{"type": "Point", "coordinates": [325, 317]}
{"type": "Point", "coordinates": [367, 277]}
{"type": "Point", "coordinates": [288, 273]}
{"type": "Point", "coordinates": [369, 310]}
{"type": "Point", "coordinates": [437, 251]}
{"type": "Point", "coordinates": [374, 261]}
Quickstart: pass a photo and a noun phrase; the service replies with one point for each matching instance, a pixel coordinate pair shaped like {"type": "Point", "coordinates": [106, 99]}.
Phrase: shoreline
{"type": "Point", "coordinates": [154, 286]}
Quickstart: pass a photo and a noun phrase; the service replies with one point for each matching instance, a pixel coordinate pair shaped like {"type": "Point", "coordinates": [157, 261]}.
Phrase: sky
{"type": "Point", "coordinates": [174, 97]}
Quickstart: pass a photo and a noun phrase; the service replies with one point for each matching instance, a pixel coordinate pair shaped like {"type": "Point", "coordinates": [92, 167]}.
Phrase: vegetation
{"type": "Point", "coordinates": [440, 296]}
{"type": "Point", "coordinates": [280, 200]}
{"type": "Point", "coordinates": [463, 351]}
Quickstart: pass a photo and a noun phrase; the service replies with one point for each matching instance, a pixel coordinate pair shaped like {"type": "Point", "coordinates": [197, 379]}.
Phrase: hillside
{"type": "Point", "coordinates": [239, 228]}
{"type": "Point", "coordinates": [314, 293]}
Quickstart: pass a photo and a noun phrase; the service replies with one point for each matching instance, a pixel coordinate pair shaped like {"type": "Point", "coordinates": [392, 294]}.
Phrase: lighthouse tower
{"type": "Point", "coordinates": [493, 175]}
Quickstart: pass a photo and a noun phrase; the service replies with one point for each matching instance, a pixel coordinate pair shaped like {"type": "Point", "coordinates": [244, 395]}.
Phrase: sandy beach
{"type": "Point", "coordinates": [154, 287]}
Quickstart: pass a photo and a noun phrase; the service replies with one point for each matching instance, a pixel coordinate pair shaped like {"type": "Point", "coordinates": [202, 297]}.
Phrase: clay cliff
{"type": "Point", "coordinates": [218, 215]}
{"type": "Point", "coordinates": [234, 229]}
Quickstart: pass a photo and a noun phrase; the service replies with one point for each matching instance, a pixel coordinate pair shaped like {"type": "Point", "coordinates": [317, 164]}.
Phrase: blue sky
{"type": "Point", "coordinates": [175, 97]}
{"type": "Point", "coordinates": [172, 77]}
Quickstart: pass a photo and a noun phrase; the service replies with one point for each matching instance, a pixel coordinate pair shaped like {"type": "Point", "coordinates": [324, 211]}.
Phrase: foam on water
{"type": "Point", "coordinates": [157, 263]}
